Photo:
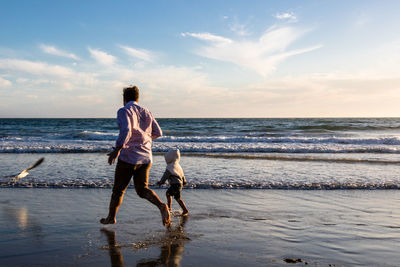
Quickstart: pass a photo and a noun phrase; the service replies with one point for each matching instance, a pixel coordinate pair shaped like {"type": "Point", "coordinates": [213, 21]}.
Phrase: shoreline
{"type": "Point", "coordinates": [80, 170]}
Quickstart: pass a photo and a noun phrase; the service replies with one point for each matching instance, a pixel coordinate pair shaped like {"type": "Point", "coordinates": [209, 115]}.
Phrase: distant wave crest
{"type": "Point", "coordinates": [95, 135]}
{"type": "Point", "coordinates": [290, 140]}
{"type": "Point", "coordinates": [204, 148]}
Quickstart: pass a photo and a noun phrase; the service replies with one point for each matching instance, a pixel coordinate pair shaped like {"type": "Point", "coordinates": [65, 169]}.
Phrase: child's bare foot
{"type": "Point", "coordinates": [185, 213]}
{"type": "Point", "coordinates": [166, 216]}
{"type": "Point", "coordinates": [108, 220]}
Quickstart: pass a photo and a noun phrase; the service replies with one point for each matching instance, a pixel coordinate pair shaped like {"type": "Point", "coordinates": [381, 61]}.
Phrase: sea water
{"type": "Point", "coordinates": [320, 153]}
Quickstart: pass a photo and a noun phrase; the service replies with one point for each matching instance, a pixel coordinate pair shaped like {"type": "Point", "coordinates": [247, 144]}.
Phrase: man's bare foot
{"type": "Point", "coordinates": [166, 216]}
{"type": "Point", "coordinates": [108, 221]}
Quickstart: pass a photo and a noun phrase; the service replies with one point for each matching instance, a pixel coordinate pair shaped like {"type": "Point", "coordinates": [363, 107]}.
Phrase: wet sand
{"type": "Point", "coordinates": [59, 227]}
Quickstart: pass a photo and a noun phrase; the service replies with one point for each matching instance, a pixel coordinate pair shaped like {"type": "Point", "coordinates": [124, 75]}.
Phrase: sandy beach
{"type": "Point", "coordinates": [59, 227]}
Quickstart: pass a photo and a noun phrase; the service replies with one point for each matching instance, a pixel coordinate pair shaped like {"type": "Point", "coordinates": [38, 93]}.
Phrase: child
{"type": "Point", "coordinates": [176, 178]}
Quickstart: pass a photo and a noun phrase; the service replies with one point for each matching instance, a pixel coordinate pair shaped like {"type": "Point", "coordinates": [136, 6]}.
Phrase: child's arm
{"type": "Point", "coordinates": [184, 182]}
{"type": "Point", "coordinates": [164, 178]}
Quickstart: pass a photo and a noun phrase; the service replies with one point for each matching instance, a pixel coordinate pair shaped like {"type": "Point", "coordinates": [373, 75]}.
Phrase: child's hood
{"type": "Point", "coordinates": [172, 156]}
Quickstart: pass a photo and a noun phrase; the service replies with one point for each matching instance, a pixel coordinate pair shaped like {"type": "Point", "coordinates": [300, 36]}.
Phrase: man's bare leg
{"type": "Point", "coordinates": [183, 206]}
{"type": "Point", "coordinates": [122, 177]}
{"type": "Point", "coordinates": [151, 196]}
{"type": "Point", "coordinates": [141, 177]}
{"type": "Point", "coordinates": [115, 203]}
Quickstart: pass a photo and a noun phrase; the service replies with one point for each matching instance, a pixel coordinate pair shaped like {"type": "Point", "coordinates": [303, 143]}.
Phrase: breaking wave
{"type": "Point", "coordinates": [278, 186]}
{"type": "Point", "coordinates": [295, 148]}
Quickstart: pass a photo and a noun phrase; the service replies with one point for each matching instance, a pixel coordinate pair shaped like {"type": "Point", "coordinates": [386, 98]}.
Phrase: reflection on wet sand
{"type": "Point", "coordinates": [171, 245]}
{"type": "Point", "coordinates": [113, 248]}
{"type": "Point", "coordinates": [20, 217]}
{"type": "Point", "coordinates": [172, 249]}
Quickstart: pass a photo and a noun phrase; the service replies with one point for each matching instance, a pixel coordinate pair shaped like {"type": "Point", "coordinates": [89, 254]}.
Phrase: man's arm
{"type": "Point", "coordinates": [124, 128]}
{"type": "Point", "coordinates": [123, 137]}
{"type": "Point", "coordinates": [156, 131]}
{"type": "Point", "coordinates": [113, 155]}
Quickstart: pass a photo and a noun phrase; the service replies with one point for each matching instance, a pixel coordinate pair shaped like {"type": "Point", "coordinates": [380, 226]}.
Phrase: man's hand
{"type": "Point", "coordinates": [113, 155]}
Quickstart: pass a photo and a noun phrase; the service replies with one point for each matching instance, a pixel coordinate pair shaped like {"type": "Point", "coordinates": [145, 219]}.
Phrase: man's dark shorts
{"type": "Point", "coordinates": [175, 191]}
{"type": "Point", "coordinates": [123, 174]}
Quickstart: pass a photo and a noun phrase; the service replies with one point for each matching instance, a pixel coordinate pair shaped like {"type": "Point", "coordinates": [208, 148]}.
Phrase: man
{"type": "Point", "coordinates": [137, 129]}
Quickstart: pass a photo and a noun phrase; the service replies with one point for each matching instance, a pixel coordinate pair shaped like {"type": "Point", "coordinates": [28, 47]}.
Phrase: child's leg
{"type": "Point", "coordinates": [169, 200]}
{"type": "Point", "coordinates": [183, 206]}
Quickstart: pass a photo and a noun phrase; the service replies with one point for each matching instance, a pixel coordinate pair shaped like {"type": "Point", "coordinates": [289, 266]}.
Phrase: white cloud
{"type": "Point", "coordinates": [4, 83]}
{"type": "Point", "coordinates": [44, 76]}
{"type": "Point", "coordinates": [182, 96]}
{"type": "Point", "coordinates": [102, 57]}
{"type": "Point", "coordinates": [139, 53]}
{"type": "Point", "coordinates": [93, 99]}
{"type": "Point", "coordinates": [362, 19]}
{"type": "Point", "coordinates": [22, 80]}
{"type": "Point", "coordinates": [239, 29]}
{"type": "Point", "coordinates": [359, 92]}
{"type": "Point", "coordinates": [261, 55]}
{"type": "Point", "coordinates": [286, 16]}
{"type": "Point", "coordinates": [35, 68]}
{"type": "Point", "coordinates": [206, 36]}
{"type": "Point", "coordinates": [312, 95]}
{"type": "Point", "coordinates": [324, 94]}
{"type": "Point", "coordinates": [57, 52]}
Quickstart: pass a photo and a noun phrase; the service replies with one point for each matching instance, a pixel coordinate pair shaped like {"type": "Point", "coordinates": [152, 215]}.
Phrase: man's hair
{"type": "Point", "coordinates": [131, 93]}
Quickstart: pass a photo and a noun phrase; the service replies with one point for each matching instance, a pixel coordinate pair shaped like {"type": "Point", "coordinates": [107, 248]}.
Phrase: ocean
{"type": "Point", "coordinates": [320, 153]}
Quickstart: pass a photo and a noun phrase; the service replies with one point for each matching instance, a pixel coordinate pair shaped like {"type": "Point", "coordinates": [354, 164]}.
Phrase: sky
{"type": "Point", "coordinates": [317, 58]}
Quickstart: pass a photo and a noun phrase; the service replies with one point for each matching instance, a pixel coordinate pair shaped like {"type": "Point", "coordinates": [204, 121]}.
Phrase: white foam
{"type": "Point", "coordinates": [71, 146]}
{"type": "Point", "coordinates": [390, 140]}
{"type": "Point", "coordinates": [96, 135]}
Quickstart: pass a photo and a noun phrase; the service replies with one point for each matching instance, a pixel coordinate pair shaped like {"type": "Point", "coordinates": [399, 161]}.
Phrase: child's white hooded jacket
{"type": "Point", "coordinates": [174, 172]}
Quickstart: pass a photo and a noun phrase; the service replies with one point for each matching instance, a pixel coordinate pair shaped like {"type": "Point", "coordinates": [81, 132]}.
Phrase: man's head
{"type": "Point", "coordinates": [131, 93]}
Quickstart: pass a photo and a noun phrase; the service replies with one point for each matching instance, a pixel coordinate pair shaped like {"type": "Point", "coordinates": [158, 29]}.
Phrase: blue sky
{"type": "Point", "coordinates": [200, 58]}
